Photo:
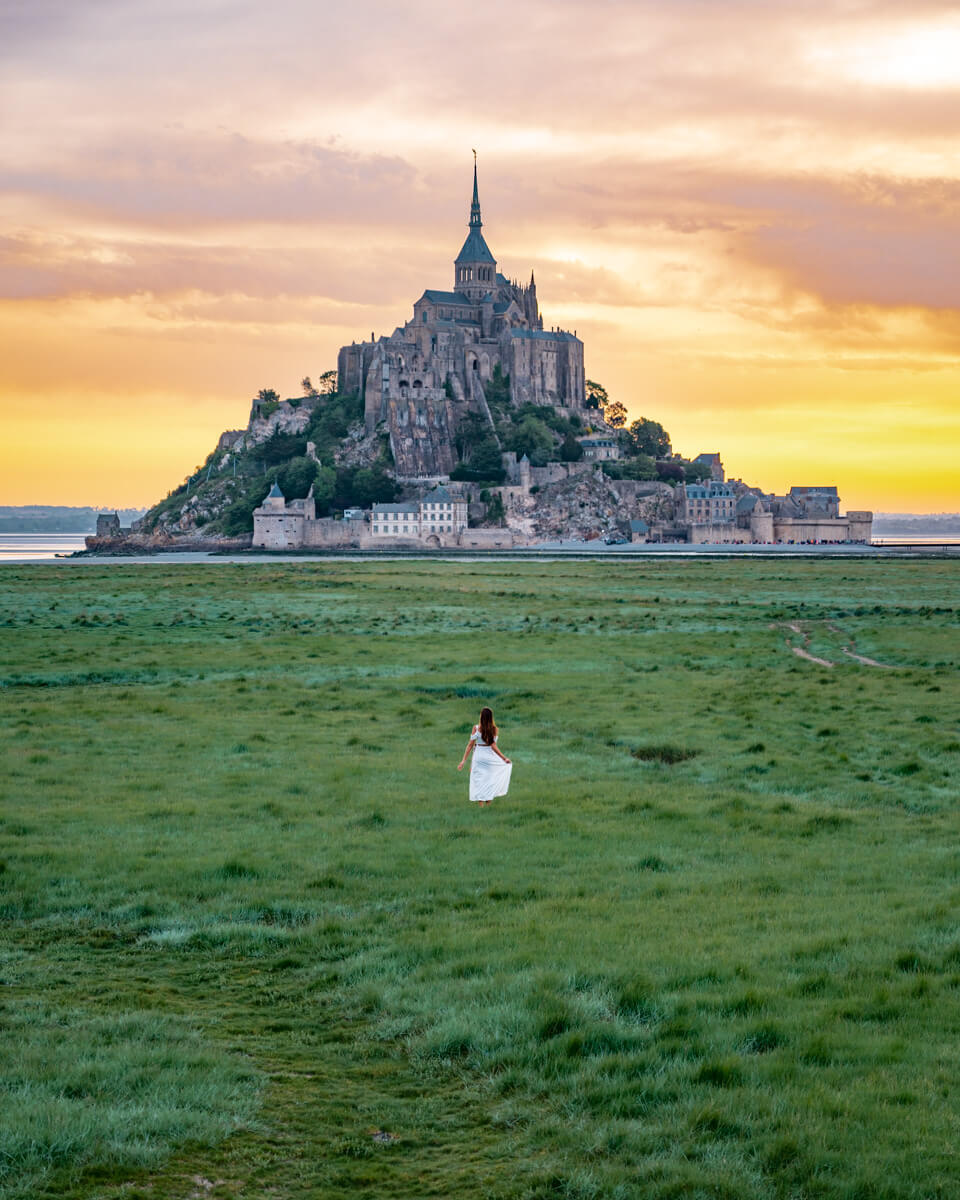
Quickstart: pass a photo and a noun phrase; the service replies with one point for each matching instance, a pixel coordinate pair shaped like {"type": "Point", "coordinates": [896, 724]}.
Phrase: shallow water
{"type": "Point", "coordinates": [37, 547]}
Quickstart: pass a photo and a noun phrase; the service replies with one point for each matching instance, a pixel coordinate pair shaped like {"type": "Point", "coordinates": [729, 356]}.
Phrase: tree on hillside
{"type": "Point", "coordinates": [649, 437]}
{"type": "Point", "coordinates": [670, 472]}
{"type": "Point", "coordinates": [297, 477]}
{"type": "Point", "coordinates": [327, 383]}
{"type": "Point", "coordinates": [694, 472]}
{"type": "Point", "coordinates": [323, 489]}
{"type": "Point", "coordinates": [280, 446]}
{"type": "Point", "coordinates": [307, 384]}
{"type": "Point", "coordinates": [615, 414]}
{"type": "Point", "coordinates": [596, 394]}
{"type": "Point", "coordinates": [571, 450]}
{"type": "Point", "coordinates": [268, 396]}
{"type": "Point", "coordinates": [531, 438]}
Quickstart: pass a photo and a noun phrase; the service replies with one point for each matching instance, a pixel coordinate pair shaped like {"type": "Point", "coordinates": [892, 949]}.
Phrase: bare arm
{"type": "Point", "coordinates": [496, 748]}
{"type": "Point", "coordinates": [470, 745]}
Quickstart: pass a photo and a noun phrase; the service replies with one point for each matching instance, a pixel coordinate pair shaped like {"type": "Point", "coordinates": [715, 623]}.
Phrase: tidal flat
{"type": "Point", "coordinates": [256, 943]}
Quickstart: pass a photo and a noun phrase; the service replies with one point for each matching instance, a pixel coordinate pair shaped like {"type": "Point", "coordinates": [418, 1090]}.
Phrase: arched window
{"type": "Point", "coordinates": [417, 383]}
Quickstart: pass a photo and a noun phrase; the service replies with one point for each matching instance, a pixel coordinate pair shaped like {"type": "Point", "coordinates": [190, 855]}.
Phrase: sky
{"type": "Point", "coordinates": [749, 211]}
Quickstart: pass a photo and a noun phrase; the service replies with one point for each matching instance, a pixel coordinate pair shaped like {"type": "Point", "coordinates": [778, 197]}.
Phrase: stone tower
{"type": "Point", "coordinates": [475, 268]}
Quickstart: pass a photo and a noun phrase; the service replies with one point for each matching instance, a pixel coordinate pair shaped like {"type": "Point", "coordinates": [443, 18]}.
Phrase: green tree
{"type": "Point", "coordinates": [327, 383]}
{"type": "Point", "coordinates": [368, 485]}
{"type": "Point", "coordinates": [297, 477]}
{"type": "Point", "coordinates": [279, 447]}
{"type": "Point", "coordinates": [571, 450]}
{"type": "Point", "coordinates": [534, 439]}
{"type": "Point", "coordinates": [641, 466]}
{"type": "Point", "coordinates": [497, 388]}
{"type": "Point", "coordinates": [266, 402]}
{"type": "Point", "coordinates": [307, 384]}
{"type": "Point", "coordinates": [694, 472]}
{"type": "Point", "coordinates": [649, 437]}
{"type": "Point", "coordinates": [323, 489]}
{"type": "Point", "coordinates": [596, 394]}
{"type": "Point", "coordinates": [485, 460]}
{"type": "Point", "coordinates": [495, 510]}
{"type": "Point", "coordinates": [615, 414]}
{"type": "Point", "coordinates": [237, 518]}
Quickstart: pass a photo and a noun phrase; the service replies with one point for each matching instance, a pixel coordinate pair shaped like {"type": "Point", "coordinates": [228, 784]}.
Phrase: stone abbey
{"type": "Point", "coordinates": [422, 378]}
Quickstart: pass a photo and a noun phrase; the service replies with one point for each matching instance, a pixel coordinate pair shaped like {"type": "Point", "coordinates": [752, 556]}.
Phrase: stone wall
{"type": "Point", "coordinates": [825, 529]}
{"type": "Point", "coordinates": [718, 533]}
{"type": "Point", "coordinates": [486, 539]}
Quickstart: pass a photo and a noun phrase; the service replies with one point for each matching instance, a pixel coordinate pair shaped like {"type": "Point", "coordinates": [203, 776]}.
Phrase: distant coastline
{"type": "Point", "coordinates": [918, 525]}
{"type": "Point", "coordinates": [58, 518]}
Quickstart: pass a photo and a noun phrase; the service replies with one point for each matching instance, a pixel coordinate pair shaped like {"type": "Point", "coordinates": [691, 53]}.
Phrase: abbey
{"type": "Point", "coordinates": [423, 378]}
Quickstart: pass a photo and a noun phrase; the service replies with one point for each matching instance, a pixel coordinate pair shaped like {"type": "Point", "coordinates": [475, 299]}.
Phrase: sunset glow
{"type": "Point", "coordinates": [749, 212]}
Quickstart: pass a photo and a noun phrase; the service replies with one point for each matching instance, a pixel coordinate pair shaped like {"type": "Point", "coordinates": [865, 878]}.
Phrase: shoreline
{"type": "Point", "coordinates": [546, 552]}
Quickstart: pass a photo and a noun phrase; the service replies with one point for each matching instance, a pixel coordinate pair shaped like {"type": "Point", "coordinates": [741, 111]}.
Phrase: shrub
{"type": "Point", "coordinates": [664, 754]}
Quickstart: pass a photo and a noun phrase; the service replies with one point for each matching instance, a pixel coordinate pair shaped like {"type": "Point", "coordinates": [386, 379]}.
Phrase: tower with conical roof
{"type": "Point", "coordinates": [475, 268]}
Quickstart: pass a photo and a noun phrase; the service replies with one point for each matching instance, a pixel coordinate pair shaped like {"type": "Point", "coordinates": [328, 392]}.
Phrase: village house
{"type": "Point", "coordinates": [597, 448]}
{"type": "Point", "coordinates": [706, 503]}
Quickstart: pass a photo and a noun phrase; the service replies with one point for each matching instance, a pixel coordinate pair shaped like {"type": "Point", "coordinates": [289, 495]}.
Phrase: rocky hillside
{"type": "Point", "coordinates": [318, 441]}
{"type": "Point", "coordinates": [310, 441]}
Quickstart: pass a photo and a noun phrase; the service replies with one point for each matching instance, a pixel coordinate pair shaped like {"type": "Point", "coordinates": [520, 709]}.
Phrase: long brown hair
{"type": "Point", "coordinates": [488, 731]}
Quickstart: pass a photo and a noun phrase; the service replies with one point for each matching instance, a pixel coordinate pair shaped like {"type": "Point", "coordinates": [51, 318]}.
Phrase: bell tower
{"type": "Point", "coordinates": [475, 268]}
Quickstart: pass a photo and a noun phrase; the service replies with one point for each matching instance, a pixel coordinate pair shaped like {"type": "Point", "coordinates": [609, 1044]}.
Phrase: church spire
{"type": "Point", "coordinates": [475, 222]}
{"type": "Point", "coordinates": [475, 269]}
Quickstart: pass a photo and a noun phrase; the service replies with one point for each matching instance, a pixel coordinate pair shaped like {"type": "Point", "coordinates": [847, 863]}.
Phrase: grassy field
{"type": "Point", "coordinates": [256, 943]}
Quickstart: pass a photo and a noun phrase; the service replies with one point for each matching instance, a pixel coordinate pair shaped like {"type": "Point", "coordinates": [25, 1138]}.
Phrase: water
{"type": "Point", "coordinates": [924, 540]}
{"type": "Point", "coordinates": [46, 547]}
{"type": "Point", "coordinates": [36, 547]}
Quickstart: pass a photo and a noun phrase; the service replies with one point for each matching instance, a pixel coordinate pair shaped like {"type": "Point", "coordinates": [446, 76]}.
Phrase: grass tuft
{"type": "Point", "coordinates": [668, 754]}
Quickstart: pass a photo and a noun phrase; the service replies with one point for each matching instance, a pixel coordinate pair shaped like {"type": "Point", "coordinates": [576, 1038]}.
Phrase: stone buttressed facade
{"type": "Point", "coordinates": [430, 371]}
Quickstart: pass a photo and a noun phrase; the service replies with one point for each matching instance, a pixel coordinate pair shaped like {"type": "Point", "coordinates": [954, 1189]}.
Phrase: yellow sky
{"type": "Point", "coordinates": [750, 213]}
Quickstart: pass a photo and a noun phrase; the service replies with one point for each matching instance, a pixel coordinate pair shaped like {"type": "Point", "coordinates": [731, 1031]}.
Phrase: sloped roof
{"type": "Point", "coordinates": [639, 527]}
{"type": "Point", "coordinates": [275, 492]}
{"type": "Point", "coordinates": [475, 249]}
{"type": "Point", "coordinates": [403, 506]}
{"type": "Point", "coordinates": [439, 495]}
{"type": "Point", "coordinates": [446, 297]}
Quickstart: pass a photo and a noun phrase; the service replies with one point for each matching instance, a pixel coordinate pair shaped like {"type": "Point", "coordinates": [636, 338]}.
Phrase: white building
{"type": "Point", "coordinates": [437, 514]}
{"type": "Point", "coordinates": [598, 447]}
{"type": "Point", "coordinates": [707, 503]}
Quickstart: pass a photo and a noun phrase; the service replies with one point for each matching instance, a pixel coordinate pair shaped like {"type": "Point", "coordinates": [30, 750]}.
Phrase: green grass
{"type": "Point", "coordinates": [256, 943]}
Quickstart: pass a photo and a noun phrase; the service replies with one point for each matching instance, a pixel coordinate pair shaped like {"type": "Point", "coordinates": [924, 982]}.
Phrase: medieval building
{"type": "Point", "coordinates": [430, 372]}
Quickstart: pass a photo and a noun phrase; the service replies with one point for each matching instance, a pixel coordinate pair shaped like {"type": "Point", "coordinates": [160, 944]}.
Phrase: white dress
{"type": "Point", "coordinates": [489, 774]}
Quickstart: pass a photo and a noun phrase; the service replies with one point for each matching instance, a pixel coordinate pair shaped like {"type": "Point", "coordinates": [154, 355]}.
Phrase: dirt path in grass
{"type": "Point", "coordinates": [851, 652]}
{"type": "Point", "coordinates": [802, 652]}
{"type": "Point", "coordinates": [849, 649]}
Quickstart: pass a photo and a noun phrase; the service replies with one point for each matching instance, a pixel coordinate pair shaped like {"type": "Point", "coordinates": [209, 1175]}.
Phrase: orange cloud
{"type": "Point", "coordinates": [755, 234]}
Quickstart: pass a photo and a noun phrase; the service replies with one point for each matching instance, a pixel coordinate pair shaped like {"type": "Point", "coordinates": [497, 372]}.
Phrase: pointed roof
{"type": "Point", "coordinates": [275, 491]}
{"type": "Point", "coordinates": [475, 249]}
{"type": "Point", "coordinates": [475, 206]}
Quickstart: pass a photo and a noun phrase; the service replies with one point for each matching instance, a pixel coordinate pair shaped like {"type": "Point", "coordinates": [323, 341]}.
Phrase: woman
{"type": "Point", "coordinates": [490, 770]}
